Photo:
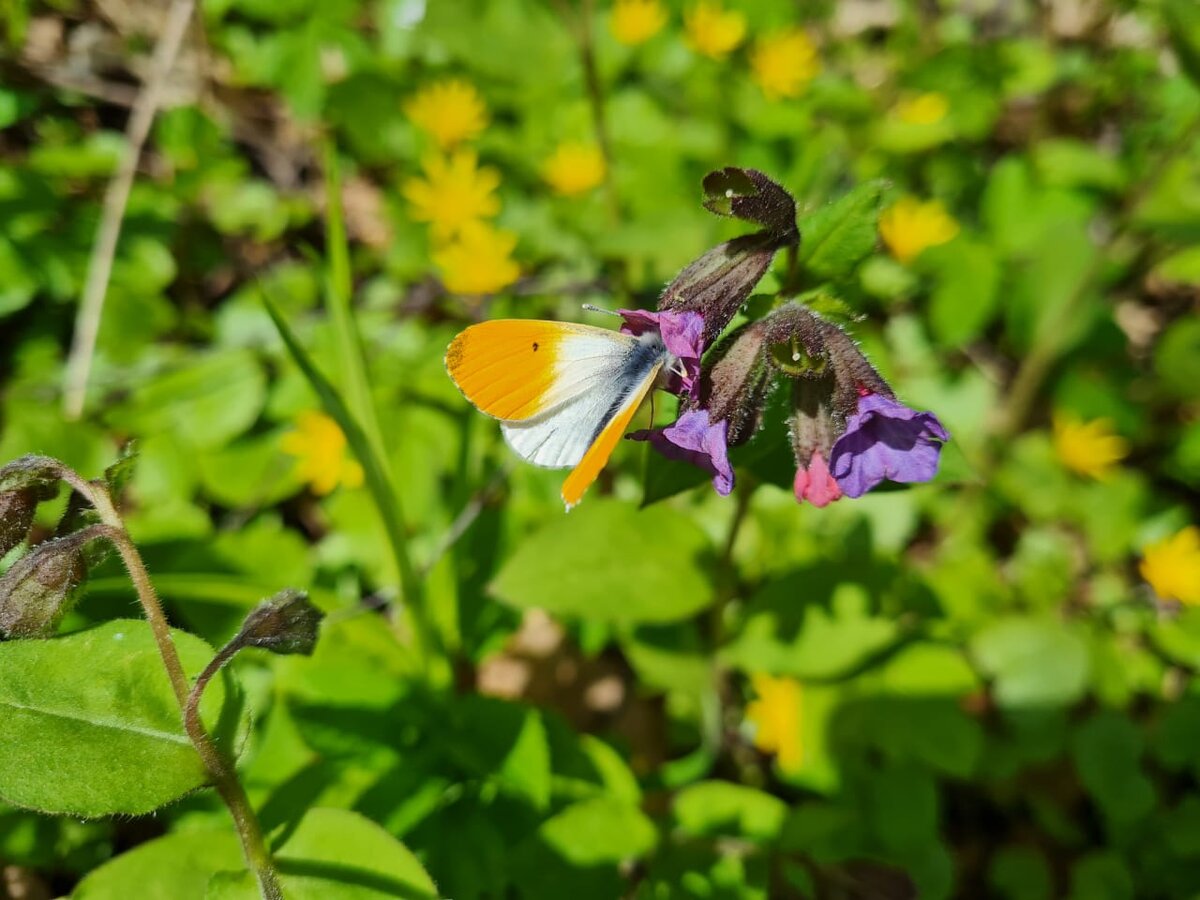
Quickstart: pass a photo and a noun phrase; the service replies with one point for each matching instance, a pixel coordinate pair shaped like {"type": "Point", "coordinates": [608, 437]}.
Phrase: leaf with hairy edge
{"type": "Point", "coordinates": [839, 236]}
{"type": "Point", "coordinates": [92, 727]}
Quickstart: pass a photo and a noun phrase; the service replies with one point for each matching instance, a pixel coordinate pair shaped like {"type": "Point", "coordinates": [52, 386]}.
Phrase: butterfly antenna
{"type": "Point", "coordinates": [600, 309]}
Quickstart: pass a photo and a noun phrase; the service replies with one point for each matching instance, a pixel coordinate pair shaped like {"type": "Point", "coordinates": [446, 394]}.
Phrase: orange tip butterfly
{"type": "Point", "coordinates": [565, 393]}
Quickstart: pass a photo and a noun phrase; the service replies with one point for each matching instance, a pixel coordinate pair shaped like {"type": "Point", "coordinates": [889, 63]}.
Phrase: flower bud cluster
{"type": "Point", "coordinates": [848, 431]}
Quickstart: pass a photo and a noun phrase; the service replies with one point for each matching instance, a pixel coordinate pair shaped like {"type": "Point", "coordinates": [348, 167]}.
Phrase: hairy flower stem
{"type": "Point", "coordinates": [220, 772]}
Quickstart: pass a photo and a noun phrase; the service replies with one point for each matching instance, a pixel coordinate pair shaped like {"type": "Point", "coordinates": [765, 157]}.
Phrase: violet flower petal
{"type": "Point", "coordinates": [885, 439]}
{"type": "Point", "coordinates": [682, 334]}
{"type": "Point", "coordinates": [693, 439]}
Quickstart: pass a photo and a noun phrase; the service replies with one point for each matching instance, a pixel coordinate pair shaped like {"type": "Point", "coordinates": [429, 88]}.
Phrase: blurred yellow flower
{"type": "Point", "coordinates": [1172, 566]}
{"type": "Point", "coordinates": [775, 716]}
{"type": "Point", "coordinates": [1088, 448]}
{"type": "Point", "coordinates": [320, 450]}
{"type": "Point", "coordinates": [479, 261]}
{"type": "Point", "coordinates": [453, 193]}
{"type": "Point", "coordinates": [712, 30]}
{"type": "Point", "coordinates": [783, 64]}
{"type": "Point", "coordinates": [451, 111]}
{"type": "Point", "coordinates": [574, 168]}
{"type": "Point", "coordinates": [634, 22]}
{"type": "Point", "coordinates": [910, 227]}
{"type": "Point", "coordinates": [923, 109]}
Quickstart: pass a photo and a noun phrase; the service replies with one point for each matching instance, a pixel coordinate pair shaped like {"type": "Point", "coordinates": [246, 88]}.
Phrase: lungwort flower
{"type": "Point", "coordinates": [450, 111]}
{"type": "Point", "coordinates": [1172, 566]}
{"type": "Point", "coordinates": [849, 433]}
{"type": "Point", "coordinates": [1088, 448]}
{"type": "Point", "coordinates": [784, 64]}
{"type": "Point", "coordinates": [886, 441]}
{"type": "Point", "coordinates": [575, 168]}
{"type": "Point", "coordinates": [714, 31]}
{"type": "Point", "coordinates": [911, 227]}
{"type": "Point", "coordinates": [454, 193]}
{"type": "Point", "coordinates": [634, 22]}
{"type": "Point", "coordinates": [321, 454]}
{"type": "Point", "coordinates": [478, 261]}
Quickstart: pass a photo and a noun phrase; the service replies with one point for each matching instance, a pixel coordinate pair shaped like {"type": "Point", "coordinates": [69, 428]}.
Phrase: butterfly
{"type": "Point", "coordinates": [565, 393]}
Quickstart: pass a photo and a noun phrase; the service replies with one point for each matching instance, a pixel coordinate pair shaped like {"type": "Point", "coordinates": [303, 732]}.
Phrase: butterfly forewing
{"type": "Point", "coordinates": [519, 369]}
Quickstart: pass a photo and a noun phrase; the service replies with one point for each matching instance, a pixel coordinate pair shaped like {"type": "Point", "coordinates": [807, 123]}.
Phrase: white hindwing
{"type": "Point", "coordinates": [559, 437]}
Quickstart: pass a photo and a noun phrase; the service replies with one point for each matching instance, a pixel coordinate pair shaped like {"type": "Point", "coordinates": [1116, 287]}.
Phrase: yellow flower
{"type": "Point", "coordinates": [634, 22]}
{"type": "Point", "coordinates": [910, 227]}
{"type": "Point", "coordinates": [923, 109]}
{"type": "Point", "coordinates": [712, 30]}
{"type": "Point", "coordinates": [775, 716]}
{"type": "Point", "coordinates": [320, 450]}
{"type": "Point", "coordinates": [1172, 566]}
{"type": "Point", "coordinates": [575, 168]}
{"type": "Point", "coordinates": [451, 111]}
{"type": "Point", "coordinates": [785, 63]}
{"type": "Point", "coordinates": [479, 261]}
{"type": "Point", "coordinates": [1088, 448]}
{"type": "Point", "coordinates": [453, 194]}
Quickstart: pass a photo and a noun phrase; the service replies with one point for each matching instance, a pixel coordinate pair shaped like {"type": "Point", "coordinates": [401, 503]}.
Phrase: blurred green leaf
{"type": "Point", "coordinates": [609, 561]}
{"type": "Point", "coordinates": [93, 725]}
{"type": "Point", "coordinates": [1034, 662]}
{"type": "Point", "coordinates": [204, 402]}
{"type": "Point", "coordinates": [598, 831]}
{"type": "Point", "coordinates": [1183, 25]}
{"type": "Point", "coordinates": [1108, 752]}
{"type": "Point", "coordinates": [714, 808]}
{"type": "Point", "coordinates": [174, 867]}
{"type": "Point", "coordinates": [335, 854]}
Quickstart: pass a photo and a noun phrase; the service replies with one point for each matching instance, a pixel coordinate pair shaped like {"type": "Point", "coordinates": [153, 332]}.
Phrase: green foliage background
{"type": "Point", "coordinates": [992, 701]}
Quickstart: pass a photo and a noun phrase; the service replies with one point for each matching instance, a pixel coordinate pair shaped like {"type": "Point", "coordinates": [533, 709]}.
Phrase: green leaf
{"type": "Point", "coordinates": [608, 561]}
{"type": "Point", "coordinates": [714, 808]}
{"type": "Point", "coordinates": [1181, 267]}
{"type": "Point", "coordinates": [1183, 25]}
{"type": "Point", "coordinates": [1035, 662]}
{"type": "Point", "coordinates": [1177, 358]}
{"type": "Point", "coordinates": [837, 237]}
{"type": "Point", "coordinates": [1101, 876]}
{"type": "Point", "coordinates": [811, 626]}
{"type": "Point", "coordinates": [336, 854]}
{"type": "Point", "coordinates": [175, 867]}
{"type": "Point", "coordinates": [92, 726]}
{"type": "Point", "coordinates": [1019, 873]}
{"type": "Point", "coordinates": [598, 831]}
{"type": "Point", "coordinates": [1108, 752]}
{"type": "Point", "coordinates": [206, 402]}
{"type": "Point", "coordinates": [967, 290]}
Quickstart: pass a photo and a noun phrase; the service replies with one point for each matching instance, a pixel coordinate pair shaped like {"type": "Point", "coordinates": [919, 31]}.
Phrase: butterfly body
{"type": "Point", "coordinates": [564, 393]}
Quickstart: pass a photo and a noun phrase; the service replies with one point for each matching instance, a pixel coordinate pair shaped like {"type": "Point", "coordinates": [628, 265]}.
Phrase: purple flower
{"type": "Point", "coordinates": [683, 335]}
{"type": "Point", "coordinates": [695, 440]}
{"type": "Point", "coordinates": [884, 439]}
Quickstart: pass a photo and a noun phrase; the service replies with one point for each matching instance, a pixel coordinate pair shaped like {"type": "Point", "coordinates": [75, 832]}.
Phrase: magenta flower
{"type": "Point", "coordinates": [683, 335]}
{"type": "Point", "coordinates": [884, 439]}
{"type": "Point", "coordinates": [693, 439]}
{"type": "Point", "coordinates": [815, 483]}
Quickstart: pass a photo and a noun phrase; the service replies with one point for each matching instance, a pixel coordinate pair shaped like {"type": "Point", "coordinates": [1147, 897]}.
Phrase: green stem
{"type": "Point", "coordinates": [220, 772]}
{"type": "Point", "coordinates": [1037, 364]}
{"type": "Point", "coordinates": [225, 780]}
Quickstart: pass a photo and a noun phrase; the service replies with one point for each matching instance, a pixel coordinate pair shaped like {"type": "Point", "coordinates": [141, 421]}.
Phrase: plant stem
{"type": "Point", "coordinates": [1039, 361]}
{"type": "Point", "coordinates": [221, 773]}
{"type": "Point", "coordinates": [91, 306]}
{"type": "Point", "coordinates": [595, 93]}
{"type": "Point", "coordinates": [226, 782]}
